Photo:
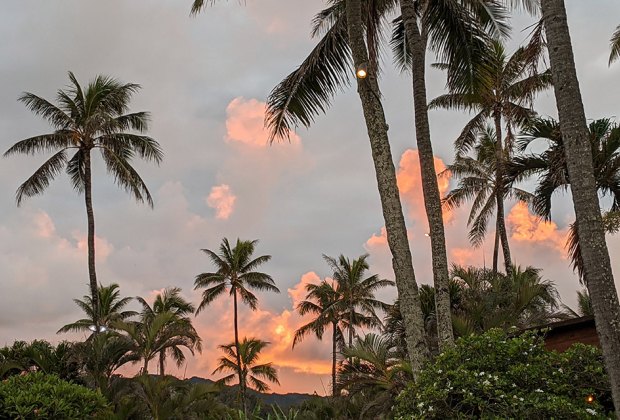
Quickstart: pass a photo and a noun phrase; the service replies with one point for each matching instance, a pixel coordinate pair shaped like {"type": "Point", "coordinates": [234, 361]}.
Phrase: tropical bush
{"type": "Point", "coordinates": [39, 395]}
{"type": "Point", "coordinates": [495, 375]}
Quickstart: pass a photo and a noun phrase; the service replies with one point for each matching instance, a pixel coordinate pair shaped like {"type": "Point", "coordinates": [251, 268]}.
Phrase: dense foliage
{"type": "Point", "coordinates": [39, 395]}
{"type": "Point", "coordinates": [495, 375]}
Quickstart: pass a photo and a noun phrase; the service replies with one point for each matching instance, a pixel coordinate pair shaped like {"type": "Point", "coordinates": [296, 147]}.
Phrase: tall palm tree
{"type": "Point", "coordinates": [322, 303]}
{"type": "Point", "coordinates": [615, 45]}
{"type": "Point", "coordinates": [169, 301]}
{"type": "Point", "coordinates": [597, 265]}
{"type": "Point", "coordinates": [478, 182]}
{"type": "Point", "coordinates": [110, 310]}
{"type": "Point", "coordinates": [235, 271]}
{"type": "Point", "coordinates": [161, 332]}
{"type": "Point", "coordinates": [83, 120]}
{"type": "Point", "coordinates": [244, 365]}
{"type": "Point", "coordinates": [501, 90]}
{"type": "Point", "coordinates": [551, 168]}
{"type": "Point", "coordinates": [356, 293]}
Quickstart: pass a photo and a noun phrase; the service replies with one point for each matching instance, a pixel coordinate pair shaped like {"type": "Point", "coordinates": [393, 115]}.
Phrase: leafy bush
{"type": "Point", "coordinates": [42, 396]}
{"type": "Point", "coordinates": [497, 376]}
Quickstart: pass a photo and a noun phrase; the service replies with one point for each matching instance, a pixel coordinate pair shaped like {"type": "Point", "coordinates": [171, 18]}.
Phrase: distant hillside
{"type": "Point", "coordinates": [283, 400]}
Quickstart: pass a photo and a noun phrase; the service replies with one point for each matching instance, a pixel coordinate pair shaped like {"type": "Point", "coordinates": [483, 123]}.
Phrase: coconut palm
{"type": "Point", "coordinates": [110, 310]}
{"type": "Point", "coordinates": [478, 183]}
{"type": "Point", "coordinates": [83, 120]}
{"type": "Point", "coordinates": [248, 372]}
{"type": "Point", "coordinates": [356, 293]}
{"type": "Point", "coordinates": [161, 332]}
{"type": "Point", "coordinates": [170, 300]}
{"type": "Point", "coordinates": [236, 272]}
{"type": "Point", "coordinates": [598, 274]}
{"type": "Point", "coordinates": [502, 90]}
{"type": "Point", "coordinates": [550, 166]}
{"type": "Point", "coordinates": [615, 46]}
{"type": "Point", "coordinates": [584, 305]}
{"type": "Point", "coordinates": [322, 303]}
{"type": "Point", "coordinates": [374, 371]}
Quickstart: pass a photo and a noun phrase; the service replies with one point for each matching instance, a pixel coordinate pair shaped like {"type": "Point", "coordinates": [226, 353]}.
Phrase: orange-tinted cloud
{"type": "Point", "coordinates": [409, 180]}
{"type": "Point", "coordinates": [222, 200]}
{"type": "Point", "coordinates": [525, 227]}
{"type": "Point", "coordinates": [245, 123]}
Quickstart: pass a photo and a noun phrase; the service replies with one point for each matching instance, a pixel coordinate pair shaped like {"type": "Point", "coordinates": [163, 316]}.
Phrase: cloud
{"type": "Point", "coordinates": [526, 228]}
{"type": "Point", "coordinates": [245, 123]}
{"type": "Point", "coordinates": [222, 200]}
{"type": "Point", "coordinates": [409, 180]}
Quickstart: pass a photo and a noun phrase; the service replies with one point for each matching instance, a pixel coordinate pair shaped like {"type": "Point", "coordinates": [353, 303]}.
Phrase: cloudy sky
{"type": "Point", "coordinates": [205, 80]}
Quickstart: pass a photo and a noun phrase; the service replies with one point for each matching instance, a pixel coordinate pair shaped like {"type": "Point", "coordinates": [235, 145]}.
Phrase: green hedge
{"type": "Point", "coordinates": [40, 396]}
{"type": "Point", "coordinates": [497, 376]}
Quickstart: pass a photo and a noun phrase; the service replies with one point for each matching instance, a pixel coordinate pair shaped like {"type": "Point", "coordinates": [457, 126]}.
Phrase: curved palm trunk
{"type": "Point", "coordinates": [334, 351]}
{"type": "Point", "coordinates": [499, 191]}
{"type": "Point", "coordinates": [597, 267]}
{"type": "Point", "coordinates": [416, 42]}
{"type": "Point", "coordinates": [145, 368]}
{"type": "Point", "coordinates": [368, 91]}
{"type": "Point", "coordinates": [239, 369]}
{"type": "Point", "coordinates": [91, 239]}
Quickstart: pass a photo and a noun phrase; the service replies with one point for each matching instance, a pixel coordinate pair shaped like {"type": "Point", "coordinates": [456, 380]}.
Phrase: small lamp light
{"type": "Point", "coordinates": [361, 71]}
{"type": "Point", "coordinates": [590, 399]}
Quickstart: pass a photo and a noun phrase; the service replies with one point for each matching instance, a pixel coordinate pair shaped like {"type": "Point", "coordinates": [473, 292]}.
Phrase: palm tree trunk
{"type": "Point", "coordinates": [350, 326]}
{"type": "Point", "coordinates": [334, 340]}
{"type": "Point", "coordinates": [239, 369]}
{"type": "Point", "coordinates": [91, 238]}
{"type": "Point", "coordinates": [145, 368]}
{"type": "Point", "coordinates": [368, 90]}
{"type": "Point", "coordinates": [416, 42]}
{"type": "Point", "coordinates": [496, 246]}
{"type": "Point", "coordinates": [499, 191]}
{"type": "Point", "coordinates": [162, 357]}
{"type": "Point", "coordinates": [597, 267]}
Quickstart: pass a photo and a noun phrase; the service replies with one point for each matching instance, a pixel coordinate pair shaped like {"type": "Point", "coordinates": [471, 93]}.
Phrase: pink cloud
{"type": "Point", "coordinates": [245, 123]}
{"type": "Point", "coordinates": [222, 200]}
{"type": "Point", "coordinates": [527, 228]}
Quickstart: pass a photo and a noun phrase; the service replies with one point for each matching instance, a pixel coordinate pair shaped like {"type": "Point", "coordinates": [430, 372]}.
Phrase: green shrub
{"type": "Point", "coordinates": [497, 376]}
{"type": "Point", "coordinates": [41, 396]}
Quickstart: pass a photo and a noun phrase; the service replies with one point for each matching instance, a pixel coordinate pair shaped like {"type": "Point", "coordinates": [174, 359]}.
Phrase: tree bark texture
{"type": "Point", "coordinates": [91, 238]}
{"type": "Point", "coordinates": [597, 267]}
{"type": "Point", "coordinates": [239, 369]}
{"type": "Point", "coordinates": [416, 42]}
{"type": "Point", "coordinates": [368, 90]}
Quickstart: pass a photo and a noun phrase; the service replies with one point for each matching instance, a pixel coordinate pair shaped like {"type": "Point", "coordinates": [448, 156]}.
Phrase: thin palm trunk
{"type": "Point", "coordinates": [91, 238]}
{"type": "Point", "coordinates": [368, 90]}
{"type": "Point", "coordinates": [351, 326]}
{"type": "Point", "coordinates": [145, 368]}
{"type": "Point", "coordinates": [239, 369]}
{"type": "Point", "coordinates": [162, 358]}
{"type": "Point", "coordinates": [597, 267]}
{"type": "Point", "coordinates": [496, 246]}
{"type": "Point", "coordinates": [499, 191]}
{"type": "Point", "coordinates": [416, 43]}
{"type": "Point", "coordinates": [334, 351]}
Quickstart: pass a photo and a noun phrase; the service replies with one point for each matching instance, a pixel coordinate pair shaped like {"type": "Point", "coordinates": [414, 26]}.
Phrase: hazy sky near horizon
{"type": "Point", "coordinates": [205, 80]}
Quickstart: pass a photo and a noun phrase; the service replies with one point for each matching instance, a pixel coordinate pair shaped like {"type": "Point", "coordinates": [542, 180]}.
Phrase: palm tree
{"type": "Point", "coordinates": [584, 305]}
{"type": "Point", "coordinates": [161, 332]}
{"type": "Point", "coordinates": [322, 302]}
{"type": "Point", "coordinates": [169, 301]}
{"type": "Point", "coordinates": [374, 371]}
{"type": "Point", "coordinates": [356, 293]}
{"type": "Point", "coordinates": [247, 370]}
{"type": "Point", "coordinates": [615, 46]}
{"type": "Point", "coordinates": [501, 89]}
{"type": "Point", "coordinates": [478, 182]}
{"type": "Point", "coordinates": [83, 120]}
{"type": "Point", "coordinates": [110, 310]}
{"type": "Point", "coordinates": [235, 270]}
{"type": "Point", "coordinates": [551, 168]}
{"type": "Point", "coordinates": [598, 275]}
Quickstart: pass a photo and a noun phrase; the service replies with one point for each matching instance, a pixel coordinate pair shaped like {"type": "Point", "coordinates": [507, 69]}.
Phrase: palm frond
{"type": "Point", "coordinates": [41, 178]}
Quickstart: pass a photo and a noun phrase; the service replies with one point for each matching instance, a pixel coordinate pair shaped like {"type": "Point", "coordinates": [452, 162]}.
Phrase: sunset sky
{"type": "Point", "coordinates": [205, 80]}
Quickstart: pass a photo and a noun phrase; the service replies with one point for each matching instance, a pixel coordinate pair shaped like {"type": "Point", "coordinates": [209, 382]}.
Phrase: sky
{"type": "Point", "coordinates": [204, 80]}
